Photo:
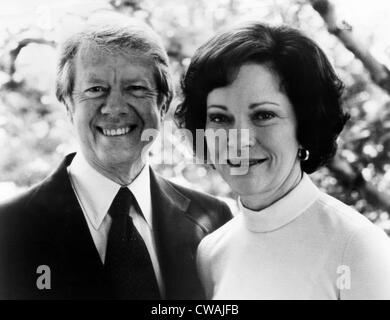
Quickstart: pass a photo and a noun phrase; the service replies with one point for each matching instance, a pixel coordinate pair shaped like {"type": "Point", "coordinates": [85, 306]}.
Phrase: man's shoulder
{"type": "Point", "coordinates": [196, 195]}
{"type": "Point", "coordinates": [199, 197]}
{"type": "Point", "coordinates": [18, 203]}
{"type": "Point", "coordinates": [33, 200]}
{"type": "Point", "coordinates": [203, 207]}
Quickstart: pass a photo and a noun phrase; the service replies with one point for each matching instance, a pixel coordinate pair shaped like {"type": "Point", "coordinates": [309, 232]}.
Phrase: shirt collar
{"type": "Point", "coordinates": [282, 211]}
{"type": "Point", "coordinates": [140, 187]}
{"type": "Point", "coordinates": [96, 192]}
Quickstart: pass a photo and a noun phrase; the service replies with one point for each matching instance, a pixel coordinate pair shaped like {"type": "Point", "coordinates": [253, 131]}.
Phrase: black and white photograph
{"type": "Point", "coordinates": [205, 151]}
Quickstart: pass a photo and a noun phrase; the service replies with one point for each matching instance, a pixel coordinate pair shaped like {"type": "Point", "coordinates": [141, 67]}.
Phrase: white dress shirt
{"type": "Point", "coordinates": [95, 194]}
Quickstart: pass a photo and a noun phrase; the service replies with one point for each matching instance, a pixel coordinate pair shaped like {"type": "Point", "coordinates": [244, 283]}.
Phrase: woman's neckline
{"type": "Point", "coordinates": [283, 211]}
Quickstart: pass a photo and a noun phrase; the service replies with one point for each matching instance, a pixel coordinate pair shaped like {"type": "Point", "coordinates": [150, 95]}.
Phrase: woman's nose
{"type": "Point", "coordinates": [115, 104]}
{"type": "Point", "coordinates": [242, 135]}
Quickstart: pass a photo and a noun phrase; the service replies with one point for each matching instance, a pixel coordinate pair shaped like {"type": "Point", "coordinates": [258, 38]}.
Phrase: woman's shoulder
{"type": "Point", "coordinates": [365, 249]}
{"type": "Point", "coordinates": [358, 232]}
{"type": "Point", "coordinates": [221, 237]}
{"type": "Point", "coordinates": [340, 215]}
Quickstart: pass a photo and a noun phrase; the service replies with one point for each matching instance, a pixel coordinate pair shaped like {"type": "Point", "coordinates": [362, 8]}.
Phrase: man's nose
{"type": "Point", "coordinates": [115, 104]}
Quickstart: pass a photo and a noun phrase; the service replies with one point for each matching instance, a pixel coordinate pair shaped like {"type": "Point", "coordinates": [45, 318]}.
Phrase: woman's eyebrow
{"type": "Point", "coordinates": [217, 106]}
{"type": "Point", "coordinates": [256, 104]}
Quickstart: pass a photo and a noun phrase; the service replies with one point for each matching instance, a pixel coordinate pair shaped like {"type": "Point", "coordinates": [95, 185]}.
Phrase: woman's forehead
{"type": "Point", "coordinates": [251, 78]}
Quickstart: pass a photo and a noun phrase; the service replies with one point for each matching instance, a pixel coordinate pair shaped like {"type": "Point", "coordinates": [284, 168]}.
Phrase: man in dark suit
{"type": "Point", "coordinates": [104, 225]}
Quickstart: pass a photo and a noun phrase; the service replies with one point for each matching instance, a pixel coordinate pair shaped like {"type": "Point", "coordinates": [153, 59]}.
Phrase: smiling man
{"type": "Point", "coordinates": [104, 225]}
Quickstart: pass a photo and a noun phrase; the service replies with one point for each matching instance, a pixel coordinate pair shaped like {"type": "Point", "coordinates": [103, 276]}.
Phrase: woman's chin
{"type": "Point", "coordinates": [245, 187]}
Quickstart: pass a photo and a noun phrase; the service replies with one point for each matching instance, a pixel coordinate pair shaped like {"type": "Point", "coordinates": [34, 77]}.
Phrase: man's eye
{"type": "Point", "coordinates": [218, 118]}
{"type": "Point", "coordinates": [95, 92]}
{"type": "Point", "coordinates": [137, 88]}
{"type": "Point", "coordinates": [138, 91]}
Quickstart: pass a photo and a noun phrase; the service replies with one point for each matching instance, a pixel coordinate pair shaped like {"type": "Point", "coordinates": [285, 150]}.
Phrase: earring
{"type": "Point", "coordinates": [303, 154]}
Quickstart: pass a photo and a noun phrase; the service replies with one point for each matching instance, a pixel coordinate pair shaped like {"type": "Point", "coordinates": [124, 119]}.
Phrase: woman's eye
{"type": "Point", "coordinates": [218, 118]}
{"type": "Point", "coordinates": [96, 92]}
{"type": "Point", "coordinates": [264, 116]}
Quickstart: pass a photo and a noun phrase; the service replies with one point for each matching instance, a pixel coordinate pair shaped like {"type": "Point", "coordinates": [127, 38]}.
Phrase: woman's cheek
{"type": "Point", "coordinates": [217, 148]}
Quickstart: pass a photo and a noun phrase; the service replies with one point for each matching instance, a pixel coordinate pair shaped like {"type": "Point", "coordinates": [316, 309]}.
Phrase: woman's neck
{"type": "Point", "coordinates": [257, 202]}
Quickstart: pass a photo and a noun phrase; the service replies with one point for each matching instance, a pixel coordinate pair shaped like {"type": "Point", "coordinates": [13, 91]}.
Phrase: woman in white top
{"type": "Point", "coordinates": [276, 87]}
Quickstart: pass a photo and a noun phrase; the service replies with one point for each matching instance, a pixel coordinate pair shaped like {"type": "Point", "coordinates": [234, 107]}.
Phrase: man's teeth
{"type": "Point", "coordinates": [116, 132]}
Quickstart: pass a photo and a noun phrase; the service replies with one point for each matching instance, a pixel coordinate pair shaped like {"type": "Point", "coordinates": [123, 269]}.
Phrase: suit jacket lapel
{"type": "Point", "coordinates": [79, 263]}
{"type": "Point", "coordinates": [79, 270]}
{"type": "Point", "coordinates": [176, 238]}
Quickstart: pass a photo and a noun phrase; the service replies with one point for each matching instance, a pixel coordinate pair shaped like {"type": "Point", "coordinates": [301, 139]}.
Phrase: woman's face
{"type": "Point", "coordinates": [255, 101]}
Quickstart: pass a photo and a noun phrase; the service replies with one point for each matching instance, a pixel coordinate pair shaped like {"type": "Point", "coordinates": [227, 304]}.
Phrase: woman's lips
{"type": "Point", "coordinates": [235, 163]}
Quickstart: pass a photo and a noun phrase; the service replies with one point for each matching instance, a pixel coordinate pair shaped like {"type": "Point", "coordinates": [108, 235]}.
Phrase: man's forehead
{"type": "Point", "coordinates": [91, 54]}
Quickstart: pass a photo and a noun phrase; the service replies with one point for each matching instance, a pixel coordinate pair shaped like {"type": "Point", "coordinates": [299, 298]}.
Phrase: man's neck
{"type": "Point", "coordinates": [123, 174]}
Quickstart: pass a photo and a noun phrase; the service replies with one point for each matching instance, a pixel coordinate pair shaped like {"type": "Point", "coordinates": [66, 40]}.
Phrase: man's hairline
{"type": "Point", "coordinates": [68, 70]}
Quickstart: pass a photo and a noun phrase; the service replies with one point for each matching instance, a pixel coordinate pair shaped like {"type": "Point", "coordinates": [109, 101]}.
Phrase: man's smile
{"type": "Point", "coordinates": [120, 131]}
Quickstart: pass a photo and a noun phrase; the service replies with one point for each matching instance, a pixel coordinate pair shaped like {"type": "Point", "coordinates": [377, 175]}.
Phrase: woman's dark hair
{"type": "Point", "coordinates": [307, 76]}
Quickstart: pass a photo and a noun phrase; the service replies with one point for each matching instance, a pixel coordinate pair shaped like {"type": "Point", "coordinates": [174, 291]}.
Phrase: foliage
{"type": "Point", "coordinates": [35, 135]}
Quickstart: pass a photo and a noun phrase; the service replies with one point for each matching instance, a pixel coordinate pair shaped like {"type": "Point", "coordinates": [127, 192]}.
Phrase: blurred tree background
{"type": "Point", "coordinates": [35, 133]}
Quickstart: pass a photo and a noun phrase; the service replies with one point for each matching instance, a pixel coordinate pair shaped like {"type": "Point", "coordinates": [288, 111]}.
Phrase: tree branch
{"type": "Point", "coordinates": [345, 173]}
{"type": "Point", "coordinates": [379, 73]}
{"type": "Point", "coordinates": [351, 178]}
{"type": "Point", "coordinates": [21, 44]}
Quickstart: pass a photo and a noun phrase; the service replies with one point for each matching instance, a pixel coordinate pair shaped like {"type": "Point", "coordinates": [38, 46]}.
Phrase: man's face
{"type": "Point", "coordinates": [113, 101]}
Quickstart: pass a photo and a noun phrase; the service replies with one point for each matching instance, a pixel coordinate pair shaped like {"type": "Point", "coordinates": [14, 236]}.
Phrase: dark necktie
{"type": "Point", "coordinates": [128, 268]}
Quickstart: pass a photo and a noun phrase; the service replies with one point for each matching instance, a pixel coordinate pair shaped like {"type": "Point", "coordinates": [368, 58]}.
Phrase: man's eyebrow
{"type": "Point", "coordinates": [217, 106]}
{"type": "Point", "coordinates": [137, 80]}
{"type": "Point", "coordinates": [256, 104]}
{"type": "Point", "coordinates": [95, 79]}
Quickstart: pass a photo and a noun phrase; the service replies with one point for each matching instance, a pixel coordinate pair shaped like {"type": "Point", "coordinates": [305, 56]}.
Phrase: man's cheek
{"type": "Point", "coordinates": [152, 120]}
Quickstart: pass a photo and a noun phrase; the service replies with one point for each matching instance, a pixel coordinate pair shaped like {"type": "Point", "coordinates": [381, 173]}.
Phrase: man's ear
{"type": "Point", "coordinates": [163, 110]}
